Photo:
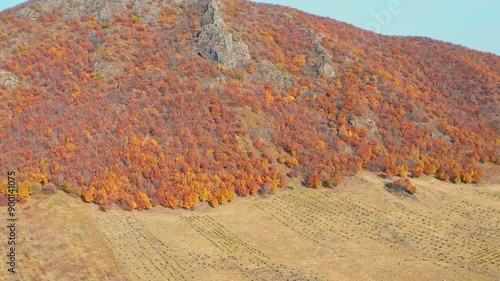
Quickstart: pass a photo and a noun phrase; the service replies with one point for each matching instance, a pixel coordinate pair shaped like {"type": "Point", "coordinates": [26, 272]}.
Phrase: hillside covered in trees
{"type": "Point", "coordinates": [173, 102]}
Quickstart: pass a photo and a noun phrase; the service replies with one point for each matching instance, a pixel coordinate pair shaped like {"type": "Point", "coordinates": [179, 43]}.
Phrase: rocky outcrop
{"type": "Point", "coordinates": [215, 41]}
{"type": "Point", "coordinates": [367, 124]}
{"type": "Point", "coordinates": [71, 9]}
{"type": "Point", "coordinates": [320, 50]}
{"type": "Point", "coordinates": [364, 123]}
{"type": "Point", "coordinates": [105, 14]}
{"type": "Point", "coordinates": [28, 12]}
{"type": "Point", "coordinates": [270, 74]}
{"type": "Point", "coordinates": [326, 69]}
{"type": "Point", "coordinates": [325, 66]}
{"type": "Point", "coordinates": [8, 79]}
{"type": "Point", "coordinates": [434, 130]}
{"type": "Point", "coordinates": [103, 10]}
{"type": "Point", "coordinates": [108, 70]}
{"type": "Point", "coordinates": [147, 11]}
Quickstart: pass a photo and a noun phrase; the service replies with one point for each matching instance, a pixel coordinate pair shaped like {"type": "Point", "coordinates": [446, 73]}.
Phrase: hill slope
{"type": "Point", "coordinates": [175, 102]}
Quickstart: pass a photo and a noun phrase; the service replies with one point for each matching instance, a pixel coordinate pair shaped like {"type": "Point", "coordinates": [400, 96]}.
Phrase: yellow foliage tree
{"type": "Point", "coordinates": [402, 171]}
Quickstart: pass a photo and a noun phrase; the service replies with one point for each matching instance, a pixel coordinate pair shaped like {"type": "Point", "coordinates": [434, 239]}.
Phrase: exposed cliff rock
{"type": "Point", "coordinates": [269, 73]}
{"type": "Point", "coordinates": [70, 9]}
{"type": "Point", "coordinates": [105, 14]}
{"type": "Point", "coordinates": [8, 79]}
{"type": "Point", "coordinates": [103, 10]}
{"type": "Point", "coordinates": [215, 41]}
{"type": "Point", "coordinates": [364, 123]}
{"type": "Point", "coordinates": [108, 69]}
{"type": "Point", "coordinates": [28, 12]}
{"type": "Point", "coordinates": [325, 66]}
{"type": "Point", "coordinates": [326, 69]}
{"type": "Point", "coordinates": [148, 11]}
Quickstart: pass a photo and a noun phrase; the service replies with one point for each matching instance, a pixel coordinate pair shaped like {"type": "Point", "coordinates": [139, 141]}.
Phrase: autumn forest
{"type": "Point", "coordinates": [179, 102]}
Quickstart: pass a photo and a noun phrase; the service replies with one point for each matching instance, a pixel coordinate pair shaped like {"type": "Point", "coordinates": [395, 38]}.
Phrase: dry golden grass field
{"type": "Point", "coordinates": [360, 231]}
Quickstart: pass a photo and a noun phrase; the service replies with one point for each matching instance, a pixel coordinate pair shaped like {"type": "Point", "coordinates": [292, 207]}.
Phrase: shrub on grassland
{"type": "Point", "coordinates": [404, 185]}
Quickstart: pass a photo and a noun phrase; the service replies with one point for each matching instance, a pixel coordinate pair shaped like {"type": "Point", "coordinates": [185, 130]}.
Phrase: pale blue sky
{"type": "Point", "coordinates": [472, 23]}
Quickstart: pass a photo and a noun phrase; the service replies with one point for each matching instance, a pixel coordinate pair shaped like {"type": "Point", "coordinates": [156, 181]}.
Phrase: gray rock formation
{"type": "Point", "coordinates": [322, 51]}
{"type": "Point", "coordinates": [269, 73]}
{"type": "Point", "coordinates": [326, 69]}
{"type": "Point", "coordinates": [105, 14]}
{"type": "Point", "coordinates": [28, 12]}
{"type": "Point", "coordinates": [108, 69]}
{"type": "Point", "coordinates": [215, 41]}
{"type": "Point", "coordinates": [146, 11]}
{"type": "Point", "coordinates": [8, 79]}
{"type": "Point", "coordinates": [104, 10]}
{"type": "Point", "coordinates": [364, 123]}
{"type": "Point", "coordinates": [368, 124]}
{"type": "Point", "coordinates": [325, 66]}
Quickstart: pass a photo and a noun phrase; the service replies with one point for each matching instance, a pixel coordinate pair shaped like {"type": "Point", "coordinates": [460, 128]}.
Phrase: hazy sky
{"type": "Point", "coordinates": [472, 23]}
